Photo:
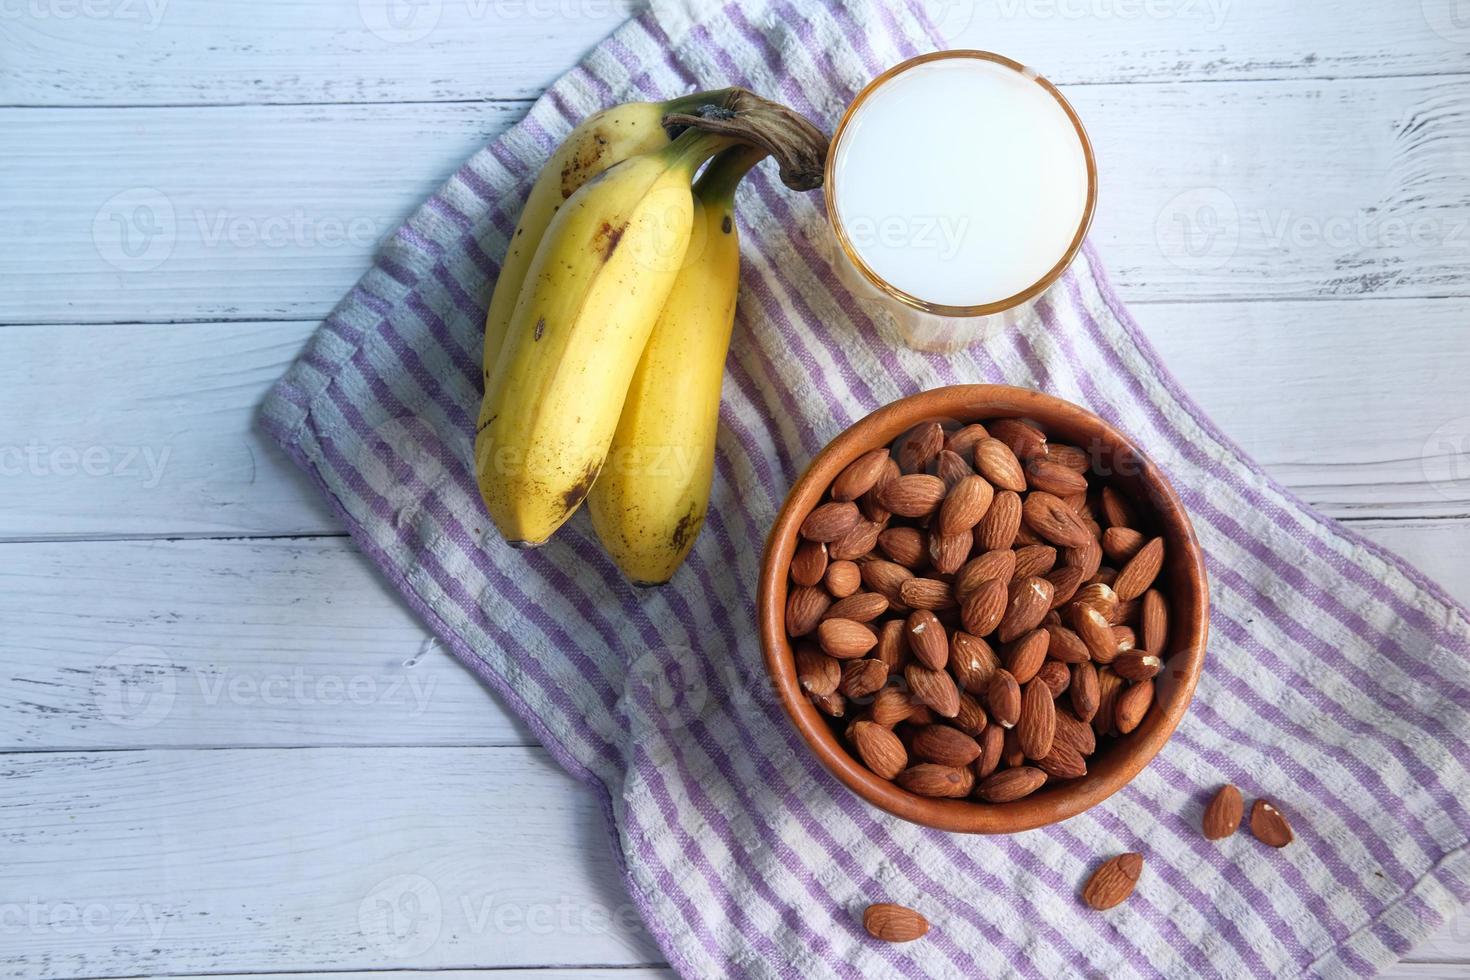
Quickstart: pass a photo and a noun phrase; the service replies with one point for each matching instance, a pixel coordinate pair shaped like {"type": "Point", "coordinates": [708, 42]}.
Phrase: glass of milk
{"type": "Point", "coordinates": [959, 186]}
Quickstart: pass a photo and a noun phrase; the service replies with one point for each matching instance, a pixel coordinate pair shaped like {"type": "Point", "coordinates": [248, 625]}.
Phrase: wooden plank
{"type": "Point", "coordinates": [1354, 188]}
{"type": "Point", "coordinates": [586, 973]}
{"type": "Point", "coordinates": [201, 52]}
{"type": "Point", "coordinates": [124, 644]}
{"type": "Point", "coordinates": [148, 429]}
{"type": "Point", "coordinates": [274, 642]}
{"type": "Point", "coordinates": [196, 52]}
{"type": "Point", "coordinates": [155, 862]}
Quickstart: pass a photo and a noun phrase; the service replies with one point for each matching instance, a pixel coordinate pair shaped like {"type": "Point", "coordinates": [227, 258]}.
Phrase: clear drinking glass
{"type": "Point", "coordinates": [1034, 144]}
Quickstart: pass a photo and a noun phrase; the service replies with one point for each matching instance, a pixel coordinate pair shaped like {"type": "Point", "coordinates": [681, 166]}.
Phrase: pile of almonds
{"type": "Point", "coordinates": [978, 610]}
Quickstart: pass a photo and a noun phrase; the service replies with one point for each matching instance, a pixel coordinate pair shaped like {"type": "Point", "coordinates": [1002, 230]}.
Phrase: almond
{"type": "Point", "coordinates": [833, 705]}
{"type": "Point", "coordinates": [1038, 722]}
{"type": "Point", "coordinates": [1154, 622]}
{"type": "Point", "coordinates": [830, 521]}
{"type": "Point", "coordinates": [845, 639]}
{"type": "Point", "coordinates": [843, 578]}
{"type": "Point", "coordinates": [892, 648]}
{"type": "Point", "coordinates": [999, 564]}
{"type": "Point", "coordinates": [972, 661]}
{"type": "Point", "coordinates": [998, 464]}
{"type": "Point", "coordinates": [1135, 577]}
{"type": "Point", "coordinates": [1030, 600]}
{"type": "Point", "coordinates": [1064, 584]}
{"type": "Point", "coordinates": [1222, 815]}
{"type": "Point", "coordinates": [868, 502]}
{"type": "Point", "coordinates": [1056, 676]}
{"type": "Point", "coordinates": [1074, 733]}
{"type": "Point", "coordinates": [885, 578]}
{"type": "Point", "coordinates": [950, 467]}
{"type": "Point", "coordinates": [1100, 597]}
{"type": "Point", "coordinates": [1092, 626]}
{"type": "Point", "coordinates": [1010, 784]}
{"type": "Point", "coordinates": [926, 638]}
{"type": "Point", "coordinates": [962, 441]}
{"type": "Point", "coordinates": [1024, 656]}
{"type": "Point", "coordinates": [1034, 560]}
{"type": "Point", "coordinates": [965, 505]}
{"type": "Point", "coordinates": [857, 542]}
{"type": "Point", "coordinates": [1128, 612]}
{"type": "Point", "coordinates": [920, 447]}
{"type": "Point", "coordinates": [971, 718]}
{"type": "Point", "coordinates": [862, 677]}
{"type": "Point", "coordinates": [1084, 691]}
{"type": "Point", "coordinates": [1023, 438]}
{"type": "Point", "coordinates": [1132, 704]}
{"type": "Point", "coordinates": [1112, 883]}
{"type": "Point", "coordinates": [947, 552]}
{"type": "Point", "coordinates": [815, 671]}
{"type": "Point", "coordinates": [1003, 697]}
{"type": "Point", "coordinates": [1072, 457]}
{"type": "Point", "coordinates": [1011, 754]}
{"type": "Point", "coordinates": [804, 608]}
{"type": "Point", "coordinates": [992, 741]}
{"type": "Point", "coordinates": [1269, 824]}
{"type": "Point", "coordinates": [929, 779]}
{"type": "Point", "coordinates": [894, 923]}
{"type": "Point", "coordinates": [860, 607]}
{"type": "Point", "coordinates": [985, 608]}
{"type": "Point", "coordinates": [1121, 543]}
{"type": "Point", "coordinates": [933, 688]}
{"type": "Point", "coordinates": [1049, 477]}
{"type": "Point", "coordinates": [1053, 520]}
{"type": "Point", "coordinates": [1063, 762]}
{"type": "Point", "coordinates": [890, 706]}
{"type": "Point", "coordinates": [997, 529]}
{"type": "Point", "coordinates": [1116, 509]}
{"type": "Point", "coordinates": [879, 748]}
{"type": "Point", "coordinates": [1109, 686]}
{"type": "Point", "coordinates": [1026, 536]}
{"type": "Point", "coordinates": [1086, 558]}
{"type": "Point", "coordinates": [809, 563]}
{"type": "Point", "coordinates": [945, 746]}
{"type": "Point", "coordinates": [904, 545]}
{"type": "Point", "coordinates": [926, 593]}
{"type": "Point", "coordinates": [1065, 645]}
{"type": "Point", "coordinates": [1123, 640]}
{"type": "Point", "coordinates": [914, 495]}
{"type": "Point", "coordinates": [1137, 665]}
{"type": "Point", "coordinates": [860, 476]}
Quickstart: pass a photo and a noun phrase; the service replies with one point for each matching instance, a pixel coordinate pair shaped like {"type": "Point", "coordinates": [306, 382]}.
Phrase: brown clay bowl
{"type": "Point", "coordinates": [1183, 579]}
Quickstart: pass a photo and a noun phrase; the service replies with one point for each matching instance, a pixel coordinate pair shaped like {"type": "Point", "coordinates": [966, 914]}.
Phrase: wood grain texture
{"type": "Point", "coordinates": [1356, 188]}
{"type": "Point", "coordinates": [199, 52]}
{"type": "Point", "coordinates": [128, 863]}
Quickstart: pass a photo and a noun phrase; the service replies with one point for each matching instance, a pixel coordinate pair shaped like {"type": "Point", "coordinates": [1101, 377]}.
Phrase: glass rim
{"type": "Point", "coordinates": [941, 309]}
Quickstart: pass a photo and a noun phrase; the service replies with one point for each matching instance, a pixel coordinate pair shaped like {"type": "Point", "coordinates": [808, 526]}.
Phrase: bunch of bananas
{"type": "Point", "coordinates": [606, 335]}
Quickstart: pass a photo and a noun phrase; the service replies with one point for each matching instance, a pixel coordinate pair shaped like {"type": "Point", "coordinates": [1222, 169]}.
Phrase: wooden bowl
{"type": "Point", "coordinates": [1183, 579]}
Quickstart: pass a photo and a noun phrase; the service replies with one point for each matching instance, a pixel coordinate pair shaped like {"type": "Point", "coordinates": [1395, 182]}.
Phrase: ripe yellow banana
{"type": "Point", "coordinates": [598, 142]}
{"type": "Point", "coordinates": [592, 294]}
{"type": "Point", "coordinates": [649, 503]}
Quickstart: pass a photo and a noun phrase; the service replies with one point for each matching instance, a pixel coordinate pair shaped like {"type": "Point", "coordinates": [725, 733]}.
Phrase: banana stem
{"type": "Point", "coordinates": [800, 148]}
{"type": "Point", "coordinates": [693, 147]}
{"type": "Point", "coordinates": [724, 173]}
{"type": "Point", "coordinates": [694, 103]}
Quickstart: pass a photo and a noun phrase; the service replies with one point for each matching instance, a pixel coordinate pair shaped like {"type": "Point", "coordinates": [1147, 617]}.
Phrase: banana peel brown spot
{"type": "Point", "coordinates": [576, 171]}
{"type": "Point", "coordinates": [726, 224]}
{"type": "Point", "coordinates": [687, 529]}
{"type": "Point", "coordinates": [540, 328]}
{"type": "Point", "coordinates": [577, 493]}
{"type": "Point", "coordinates": [607, 238]}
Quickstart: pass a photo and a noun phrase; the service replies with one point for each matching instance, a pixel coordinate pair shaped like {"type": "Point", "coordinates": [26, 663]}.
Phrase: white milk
{"type": "Point", "coordinates": [960, 181]}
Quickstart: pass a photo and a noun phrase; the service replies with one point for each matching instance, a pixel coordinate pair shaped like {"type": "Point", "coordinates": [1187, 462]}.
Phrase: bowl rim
{"type": "Point", "coordinates": [979, 402]}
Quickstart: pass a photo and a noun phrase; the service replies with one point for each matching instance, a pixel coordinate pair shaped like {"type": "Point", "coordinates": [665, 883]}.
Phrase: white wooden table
{"type": "Point", "coordinates": [217, 757]}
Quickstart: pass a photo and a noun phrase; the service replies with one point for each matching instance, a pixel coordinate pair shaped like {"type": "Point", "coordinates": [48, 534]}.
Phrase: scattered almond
{"type": "Point", "coordinates": [894, 923]}
{"type": "Point", "coordinates": [1269, 824]}
{"type": "Point", "coordinates": [1222, 815]}
{"type": "Point", "coordinates": [1111, 884]}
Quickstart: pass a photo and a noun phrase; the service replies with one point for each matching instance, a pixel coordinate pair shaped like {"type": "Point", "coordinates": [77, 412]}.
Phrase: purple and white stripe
{"type": "Point", "coordinates": [1337, 678]}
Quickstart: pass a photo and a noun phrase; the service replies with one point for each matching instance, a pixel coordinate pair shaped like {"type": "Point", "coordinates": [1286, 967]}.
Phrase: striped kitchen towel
{"type": "Point", "coordinates": [1336, 681]}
